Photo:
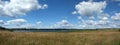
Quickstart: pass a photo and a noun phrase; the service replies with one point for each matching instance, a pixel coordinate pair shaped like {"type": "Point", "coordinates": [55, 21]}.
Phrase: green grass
{"type": "Point", "coordinates": [99, 37]}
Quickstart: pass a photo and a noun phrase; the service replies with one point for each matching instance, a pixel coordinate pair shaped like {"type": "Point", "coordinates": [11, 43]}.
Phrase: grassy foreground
{"type": "Point", "coordinates": [101, 37]}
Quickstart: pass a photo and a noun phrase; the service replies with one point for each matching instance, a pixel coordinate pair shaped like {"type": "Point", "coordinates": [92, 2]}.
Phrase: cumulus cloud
{"type": "Point", "coordinates": [35, 25]}
{"type": "Point", "coordinates": [28, 25]}
{"type": "Point", "coordinates": [90, 22]}
{"type": "Point", "coordinates": [92, 14]}
{"type": "Point", "coordinates": [44, 6]}
{"type": "Point", "coordinates": [20, 23]}
{"type": "Point", "coordinates": [116, 20]}
{"type": "Point", "coordinates": [74, 12]}
{"type": "Point", "coordinates": [116, 17]}
{"type": "Point", "coordinates": [89, 8]}
{"type": "Point", "coordinates": [90, 0]}
{"type": "Point", "coordinates": [115, 0]}
{"type": "Point", "coordinates": [95, 24]}
{"type": "Point", "coordinates": [63, 24]}
{"type": "Point", "coordinates": [103, 16]}
{"type": "Point", "coordinates": [16, 22]}
{"type": "Point", "coordinates": [103, 22]}
{"type": "Point", "coordinates": [19, 7]}
{"type": "Point", "coordinates": [39, 23]}
{"type": "Point", "coordinates": [1, 22]}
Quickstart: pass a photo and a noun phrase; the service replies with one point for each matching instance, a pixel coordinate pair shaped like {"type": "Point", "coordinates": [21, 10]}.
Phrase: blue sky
{"type": "Point", "coordinates": [59, 13]}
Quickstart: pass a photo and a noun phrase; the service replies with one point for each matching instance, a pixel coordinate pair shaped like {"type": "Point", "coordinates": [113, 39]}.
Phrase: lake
{"type": "Point", "coordinates": [41, 30]}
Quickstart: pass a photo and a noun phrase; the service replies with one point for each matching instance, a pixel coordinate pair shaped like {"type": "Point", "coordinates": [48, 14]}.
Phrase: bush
{"type": "Point", "coordinates": [119, 30]}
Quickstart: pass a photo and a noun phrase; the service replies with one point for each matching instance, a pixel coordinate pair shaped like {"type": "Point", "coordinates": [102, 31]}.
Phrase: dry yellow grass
{"type": "Point", "coordinates": [60, 38]}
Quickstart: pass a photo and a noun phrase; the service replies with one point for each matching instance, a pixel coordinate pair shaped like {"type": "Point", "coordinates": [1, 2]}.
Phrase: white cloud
{"type": "Point", "coordinates": [90, 0]}
{"type": "Point", "coordinates": [115, 0]}
{"type": "Point", "coordinates": [63, 24]}
{"type": "Point", "coordinates": [1, 21]}
{"type": "Point", "coordinates": [103, 16]}
{"type": "Point", "coordinates": [79, 17]}
{"type": "Point", "coordinates": [90, 22]}
{"type": "Point", "coordinates": [20, 23]}
{"type": "Point", "coordinates": [19, 7]}
{"type": "Point", "coordinates": [16, 22]}
{"type": "Point", "coordinates": [103, 22]}
{"type": "Point", "coordinates": [116, 17]}
{"type": "Point", "coordinates": [92, 15]}
{"type": "Point", "coordinates": [115, 20]}
{"type": "Point", "coordinates": [44, 6]}
{"type": "Point", "coordinates": [114, 24]}
{"type": "Point", "coordinates": [74, 12]}
{"type": "Point", "coordinates": [27, 26]}
{"type": "Point", "coordinates": [89, 8]}
{"type": "Point", "coordinates": [39, 23]}
{"type": "Point", "coordinates": [32, 25]}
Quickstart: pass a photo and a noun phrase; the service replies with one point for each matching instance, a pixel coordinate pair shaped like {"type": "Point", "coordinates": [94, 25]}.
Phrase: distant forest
{"type": "Point", "coordinates": [2, 28]}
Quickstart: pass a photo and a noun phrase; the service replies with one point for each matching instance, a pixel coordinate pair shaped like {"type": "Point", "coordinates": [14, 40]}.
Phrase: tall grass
{"type": "Point", "coordinates": [109, 37]}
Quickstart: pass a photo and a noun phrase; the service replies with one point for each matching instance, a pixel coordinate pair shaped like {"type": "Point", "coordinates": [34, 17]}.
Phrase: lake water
{"type": "Point", "coordinates": [41, 30]}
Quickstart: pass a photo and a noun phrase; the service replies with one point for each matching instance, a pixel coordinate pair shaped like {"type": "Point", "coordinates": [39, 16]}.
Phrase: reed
{"type": "Point", "coordinates": [101, 37]}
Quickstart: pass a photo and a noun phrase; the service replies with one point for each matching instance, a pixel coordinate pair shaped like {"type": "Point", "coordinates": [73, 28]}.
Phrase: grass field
{"type": "Point", "coordinates": [101, 37]}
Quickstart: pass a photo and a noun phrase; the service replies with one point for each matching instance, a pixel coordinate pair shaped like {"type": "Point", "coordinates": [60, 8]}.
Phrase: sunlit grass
{"type": "Point", "coordinates": [101, 37]}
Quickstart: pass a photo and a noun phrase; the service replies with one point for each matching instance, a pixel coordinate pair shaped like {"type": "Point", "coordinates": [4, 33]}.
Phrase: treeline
{"type": "Point", "coordinates": [2, 28]}
{"type": "Point", "coordinates": [11, 29]}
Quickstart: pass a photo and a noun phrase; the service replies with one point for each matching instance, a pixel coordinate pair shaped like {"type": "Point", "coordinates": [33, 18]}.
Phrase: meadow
{"type": "Point", "coordinates": [98, 37]}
